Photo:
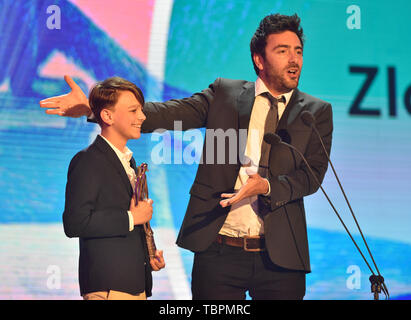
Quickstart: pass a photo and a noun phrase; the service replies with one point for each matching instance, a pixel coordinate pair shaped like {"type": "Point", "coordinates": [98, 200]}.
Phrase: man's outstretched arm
{"type": "Point", "coordinates": [192, 111]}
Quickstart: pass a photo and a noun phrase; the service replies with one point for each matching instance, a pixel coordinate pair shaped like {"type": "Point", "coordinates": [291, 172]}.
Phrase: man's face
{"type": "Point", "coordinates": [281, 68]}
{"type": "Point", "coordinates": [127, 116]}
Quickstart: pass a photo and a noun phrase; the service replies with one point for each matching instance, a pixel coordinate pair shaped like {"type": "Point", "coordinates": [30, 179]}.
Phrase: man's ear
{"type": "Point", "coordinates": [258, 60]}
{"type": "Point", "coordinates": [107, 116]}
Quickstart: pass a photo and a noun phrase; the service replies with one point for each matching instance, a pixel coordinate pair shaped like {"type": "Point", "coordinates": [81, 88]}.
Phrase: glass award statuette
{"type": "Point", "coordinates": [141, 193]}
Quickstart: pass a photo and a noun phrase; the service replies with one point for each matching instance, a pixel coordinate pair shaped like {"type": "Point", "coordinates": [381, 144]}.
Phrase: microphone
{"type": "Point", "coordinates": [376, 281]}
{"type": "Point", "coordinates": [309, 120]}
{"type": "Point", "coordinates": [272, 138]}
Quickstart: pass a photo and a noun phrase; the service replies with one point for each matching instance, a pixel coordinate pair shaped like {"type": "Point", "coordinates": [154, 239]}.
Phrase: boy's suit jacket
{"type": "Point", "coordinates": [98, 195]}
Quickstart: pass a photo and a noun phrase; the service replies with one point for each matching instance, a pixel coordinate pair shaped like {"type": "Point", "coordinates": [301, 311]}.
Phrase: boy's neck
{"type": "Point", "coordinates": [116, 140]}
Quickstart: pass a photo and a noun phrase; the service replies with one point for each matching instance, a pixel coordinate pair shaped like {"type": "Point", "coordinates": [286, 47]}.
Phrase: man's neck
{"type": "Point", "coordinates": [116, 140]}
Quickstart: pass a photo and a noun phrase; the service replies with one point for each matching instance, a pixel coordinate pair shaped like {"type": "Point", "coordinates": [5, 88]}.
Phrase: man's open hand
{"type": "Point", "coordinates": [254, 185]}
{"type": "Point", "coordinates": [73, 104]}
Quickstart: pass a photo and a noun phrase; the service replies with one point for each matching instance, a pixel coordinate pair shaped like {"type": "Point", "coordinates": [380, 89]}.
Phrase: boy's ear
{"type": "Point", "coordinates": [106, 116]}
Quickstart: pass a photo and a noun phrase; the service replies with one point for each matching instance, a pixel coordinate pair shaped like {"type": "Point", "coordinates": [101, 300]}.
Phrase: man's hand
{"type": "Point", "coordinates": [157, 262]}
{"type": "Point", "coordinates": [73, 104]}
{"type": "Point", "coordinates": [255, 185]}
{"type": "Point", "coordinates": [142, 211]}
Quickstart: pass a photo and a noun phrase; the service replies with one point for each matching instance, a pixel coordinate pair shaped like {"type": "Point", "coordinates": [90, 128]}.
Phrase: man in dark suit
{"type": "Point", "coordinates": [100, 207]}
{"type": "Point", "coordinates": [245, 220]}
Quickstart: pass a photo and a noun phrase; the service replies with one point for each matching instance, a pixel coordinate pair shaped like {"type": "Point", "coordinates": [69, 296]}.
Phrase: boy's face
{"type": "Point", "coordinates": [127, 116]}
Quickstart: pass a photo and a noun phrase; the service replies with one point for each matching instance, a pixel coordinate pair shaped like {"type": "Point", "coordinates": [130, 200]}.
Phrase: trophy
{"type": "Point", "coordinates": [141, 193]}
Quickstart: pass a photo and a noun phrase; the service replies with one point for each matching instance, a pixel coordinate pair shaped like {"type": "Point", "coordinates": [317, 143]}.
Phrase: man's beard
{"type": "Point", "coordinates": [279, 81]}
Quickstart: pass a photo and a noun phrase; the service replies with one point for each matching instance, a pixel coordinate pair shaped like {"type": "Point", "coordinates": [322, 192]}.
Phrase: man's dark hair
{"type": "Point", "coordinates": [273, 23]}
{"type": "Point", "coordinates": [104, 94]}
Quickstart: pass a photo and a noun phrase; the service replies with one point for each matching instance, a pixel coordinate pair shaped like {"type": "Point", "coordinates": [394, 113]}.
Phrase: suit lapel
{"type": "Point", "coordinates": [114, 160]}
{"type": "Point", "coordinates": [245, 104]}
{"type": "Point", "coordinates": [294, 107]}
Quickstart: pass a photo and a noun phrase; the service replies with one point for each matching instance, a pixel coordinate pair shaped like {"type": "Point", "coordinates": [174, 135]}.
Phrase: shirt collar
{"type": "Point", "coordinates": [260, 88]}
{"type": "Point", "coordinates": [126, 155]}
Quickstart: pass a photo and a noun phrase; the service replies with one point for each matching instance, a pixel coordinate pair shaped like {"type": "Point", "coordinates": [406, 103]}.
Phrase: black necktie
{"type": "Point", "coordinates": [270, 126]}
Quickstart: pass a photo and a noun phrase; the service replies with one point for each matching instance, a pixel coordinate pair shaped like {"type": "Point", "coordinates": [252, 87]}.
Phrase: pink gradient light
{"type": "Point", "coordinates": [58, 64]}
{"type": "Point", "coordinates": [127, 21]}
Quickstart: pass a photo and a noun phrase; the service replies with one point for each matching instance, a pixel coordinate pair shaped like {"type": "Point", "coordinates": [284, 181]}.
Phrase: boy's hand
{"type": "Point", "coordinates": [157, 262]}
{"type": "Point", "coordinates": [142, 212]}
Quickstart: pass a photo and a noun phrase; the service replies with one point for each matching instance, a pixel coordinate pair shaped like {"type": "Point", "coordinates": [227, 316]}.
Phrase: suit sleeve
{"type": "Point", "coordinates": [192, 111]}
{"type": "Point", "coordinates": [80, 217]}
{"type": "Point", "coordinates": [300, 182]}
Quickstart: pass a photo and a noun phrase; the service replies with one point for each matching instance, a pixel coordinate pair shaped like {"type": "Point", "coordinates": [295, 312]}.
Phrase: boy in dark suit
{"type": "Point", "coordinates": [100, 208]}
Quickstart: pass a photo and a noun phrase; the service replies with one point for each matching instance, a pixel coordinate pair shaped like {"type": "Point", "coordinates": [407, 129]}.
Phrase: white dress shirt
{"type": "Point", "coordinates": [243, 219]}
{"type": "Point", "coordinates": [125, 158]}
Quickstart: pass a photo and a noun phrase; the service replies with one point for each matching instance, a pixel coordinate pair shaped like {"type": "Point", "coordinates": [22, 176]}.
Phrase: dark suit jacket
{"type": "Point", "coordinates": [98, 195]}
{"type": "Point", "coordinates": [225, 105]}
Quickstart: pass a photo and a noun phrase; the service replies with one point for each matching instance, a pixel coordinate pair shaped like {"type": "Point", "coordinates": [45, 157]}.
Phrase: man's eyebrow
{"type": "Point", "coordinates": [286, 46]}
{"type": "Point", "coordinates": [133, 106]}
{"type": "Point", "coordinates": [282, 46]}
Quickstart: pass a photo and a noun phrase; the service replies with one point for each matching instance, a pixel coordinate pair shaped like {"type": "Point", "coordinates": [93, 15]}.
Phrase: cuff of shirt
{"type": "Point", "coordinates": [131, 221]}
{"type": "Point", "coordinates": [269, 189]}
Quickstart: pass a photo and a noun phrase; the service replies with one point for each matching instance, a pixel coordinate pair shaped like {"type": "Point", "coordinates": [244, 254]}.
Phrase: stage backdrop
{"type": "Point", "coordinates": [355, 56]}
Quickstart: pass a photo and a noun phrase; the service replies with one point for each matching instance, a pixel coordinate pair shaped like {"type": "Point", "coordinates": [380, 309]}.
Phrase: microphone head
{"type": "Point", "coordinates": [284, 136]}
{"type": "Point", "coordinates": [272, 138]}
{"type": "Point", "coordinates": [308, 118]}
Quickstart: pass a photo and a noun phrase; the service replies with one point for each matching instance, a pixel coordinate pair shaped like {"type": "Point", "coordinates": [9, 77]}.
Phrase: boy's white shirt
{"type": "Point", "coordinates": [125, 158]}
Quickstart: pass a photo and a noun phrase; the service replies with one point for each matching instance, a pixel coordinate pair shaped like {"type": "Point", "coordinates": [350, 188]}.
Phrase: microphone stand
{"type": "Point", "coordinates": [377, 281]}
{"type": "Point", "coordinates": [377, 284]}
